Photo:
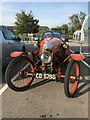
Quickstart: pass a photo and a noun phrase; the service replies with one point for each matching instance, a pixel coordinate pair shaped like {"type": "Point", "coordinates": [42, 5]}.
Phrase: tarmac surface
{"type": "Point", "coordinates": [47, 99]}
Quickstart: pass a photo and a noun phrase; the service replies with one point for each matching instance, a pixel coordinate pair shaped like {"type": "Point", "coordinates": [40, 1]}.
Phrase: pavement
{"type": "Point", "coordinates": [46, 99]}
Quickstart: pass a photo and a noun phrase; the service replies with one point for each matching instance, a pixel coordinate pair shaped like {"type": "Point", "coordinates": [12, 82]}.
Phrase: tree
{"type": "Point", "coordinates": [64, 28]}
{"type": "Point", "coordinates": [82, 17]}
{"type": "Point", "coordinates": [78, 26]}
{"type": "Point", "coordinates": [25, 23]}
{"type": "Point", "coordinates": [61, 29]}
{"type": "Point", "coordinates": [76, 21]}
{"type": "Point", "coordinates": [56, 29]}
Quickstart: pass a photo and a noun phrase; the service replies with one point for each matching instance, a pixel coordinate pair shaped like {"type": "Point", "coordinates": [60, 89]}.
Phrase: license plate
{"type": "Point", "coordinates": [45, 76]}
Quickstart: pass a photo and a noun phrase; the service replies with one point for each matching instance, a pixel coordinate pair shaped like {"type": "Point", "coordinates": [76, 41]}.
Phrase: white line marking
{"type": "Point", "coordinates": [72, 51]}
{"type": "Point", "coordinates": [3, 89]}
{"type": "Point", "coordinates": [86, 64]}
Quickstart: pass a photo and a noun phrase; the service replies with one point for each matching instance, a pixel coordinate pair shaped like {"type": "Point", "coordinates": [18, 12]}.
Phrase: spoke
{"type": "Point", "coordinates": [14, 77]}
{"type": "Point", "coordinates": [74, 87]}
{"type": "Point", "coordinates": [25, 67]}
{"type": "Point", "coordinates": [72, 77]}
{"type": "Point", "coordinates": [29, 74]}
{"type": "Point", "coordinates": [17, 75]}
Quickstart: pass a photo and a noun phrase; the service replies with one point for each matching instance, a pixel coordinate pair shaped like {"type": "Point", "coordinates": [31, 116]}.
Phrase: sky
{"type": "Point", "coordinates": [50, 14]}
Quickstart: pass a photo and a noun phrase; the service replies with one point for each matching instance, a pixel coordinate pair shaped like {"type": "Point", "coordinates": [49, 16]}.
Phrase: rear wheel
{"type": "Point", "coordinates": [19, 73]}
{"type": "Point", "coordinates": [71, 79]}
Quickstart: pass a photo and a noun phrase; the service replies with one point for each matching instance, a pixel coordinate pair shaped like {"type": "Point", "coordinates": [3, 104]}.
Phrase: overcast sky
{"type": "Point", "coordinates": [49, 13]}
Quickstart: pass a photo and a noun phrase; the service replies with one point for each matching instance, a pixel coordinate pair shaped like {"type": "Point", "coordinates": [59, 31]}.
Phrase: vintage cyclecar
{"type": "Point", "coordinates": [52, 60]}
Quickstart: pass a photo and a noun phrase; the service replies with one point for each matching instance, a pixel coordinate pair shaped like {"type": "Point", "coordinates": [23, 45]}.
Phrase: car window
{"type": "Point", "coordinates": [57, 35]}
{"type": "Point", "coordinates": [8, 34]}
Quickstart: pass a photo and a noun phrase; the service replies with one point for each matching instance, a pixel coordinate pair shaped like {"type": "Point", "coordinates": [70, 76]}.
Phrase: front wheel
{"type": "Point", "coordinates": [71, 79]}
{"type": "Point", "coordinates": [19, 73]}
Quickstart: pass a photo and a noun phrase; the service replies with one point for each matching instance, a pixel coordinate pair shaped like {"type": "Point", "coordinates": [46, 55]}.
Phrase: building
{"type": "Point", "coordinates": [77, 35]}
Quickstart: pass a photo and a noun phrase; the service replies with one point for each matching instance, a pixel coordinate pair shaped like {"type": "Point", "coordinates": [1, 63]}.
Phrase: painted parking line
{"type": "Point", "coordinates": [3, 89]}
{"type": "Point", "coordinates": [85, 63]}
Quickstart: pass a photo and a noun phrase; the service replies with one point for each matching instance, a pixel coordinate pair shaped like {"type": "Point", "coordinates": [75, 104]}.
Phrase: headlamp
{"type": "Point", "coordinates": [46, 57]}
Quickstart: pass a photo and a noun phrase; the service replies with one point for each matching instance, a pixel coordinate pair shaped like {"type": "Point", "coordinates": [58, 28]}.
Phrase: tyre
{"type": "Point", "coordinates": [71, 80]}
{"type": "Point", "coordinates": [19, 73]}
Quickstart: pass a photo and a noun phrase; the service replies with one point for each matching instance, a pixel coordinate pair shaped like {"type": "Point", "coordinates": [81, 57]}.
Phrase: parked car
{"type": "Point", "coordinates": [9, 43]}
{"type": "Point", "coordinates": [60, 36]}
{"type": "Point", "coordinates": [57, 35]}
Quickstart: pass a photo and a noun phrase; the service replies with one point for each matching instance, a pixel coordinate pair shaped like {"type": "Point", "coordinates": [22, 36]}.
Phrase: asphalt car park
{"type": "Point", "coordinates": [46, 99]}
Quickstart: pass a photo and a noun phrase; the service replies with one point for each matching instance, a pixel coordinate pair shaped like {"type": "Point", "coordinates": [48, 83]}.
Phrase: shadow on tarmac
{"type": "Point", "coordinates": [84, 88]}
{"type": "Point", "coordinates": [84, 82]}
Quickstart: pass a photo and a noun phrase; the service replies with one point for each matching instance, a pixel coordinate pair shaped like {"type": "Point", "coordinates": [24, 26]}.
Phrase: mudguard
{"type": "Point", "coordinates": [16, 54]}
{"type": "Point", "coordinates": [77, 57]}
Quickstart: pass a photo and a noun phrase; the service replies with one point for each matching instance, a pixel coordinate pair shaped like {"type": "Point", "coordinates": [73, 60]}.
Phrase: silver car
{"type": "Point", "coordinates": [9, 43]}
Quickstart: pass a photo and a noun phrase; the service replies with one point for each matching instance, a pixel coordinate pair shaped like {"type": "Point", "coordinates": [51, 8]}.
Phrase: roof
{"type": "Point", "coordinates": [77, 32]}
{"type": "Point", "coordinates": [43, 27]}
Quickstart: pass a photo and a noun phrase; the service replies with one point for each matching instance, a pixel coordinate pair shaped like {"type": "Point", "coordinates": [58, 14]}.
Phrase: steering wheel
{"type": "Point", "coordinates": [47, 33]}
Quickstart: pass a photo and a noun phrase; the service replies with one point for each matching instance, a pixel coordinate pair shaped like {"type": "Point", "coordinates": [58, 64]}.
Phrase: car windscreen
{"type": "Point", "coordinates": [8, 35]}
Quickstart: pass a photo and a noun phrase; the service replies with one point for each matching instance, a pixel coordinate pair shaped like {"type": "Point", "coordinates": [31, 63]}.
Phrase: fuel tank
{"type": "Point", "coordinates": [50, 44]}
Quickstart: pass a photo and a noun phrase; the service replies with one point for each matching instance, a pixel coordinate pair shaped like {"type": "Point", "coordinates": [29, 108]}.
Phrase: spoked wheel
{"type": "Point", "coordinates": [19, 73]}
{"type": "Point", "coordinates": [71, 79]}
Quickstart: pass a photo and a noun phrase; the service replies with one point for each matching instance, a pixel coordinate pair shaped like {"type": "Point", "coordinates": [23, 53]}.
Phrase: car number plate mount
{"type": "Point", "coordinates": [45, 76]}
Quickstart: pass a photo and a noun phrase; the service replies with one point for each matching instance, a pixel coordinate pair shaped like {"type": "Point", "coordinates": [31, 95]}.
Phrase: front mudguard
{"type": "Point", "coordinates": [17, 53]}
{"type": "Point", "coordinates": [77, 57]}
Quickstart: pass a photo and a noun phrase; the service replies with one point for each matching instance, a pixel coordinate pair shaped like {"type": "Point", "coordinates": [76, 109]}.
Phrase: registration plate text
{"type": "Point", "coordinates": [45, 76]}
